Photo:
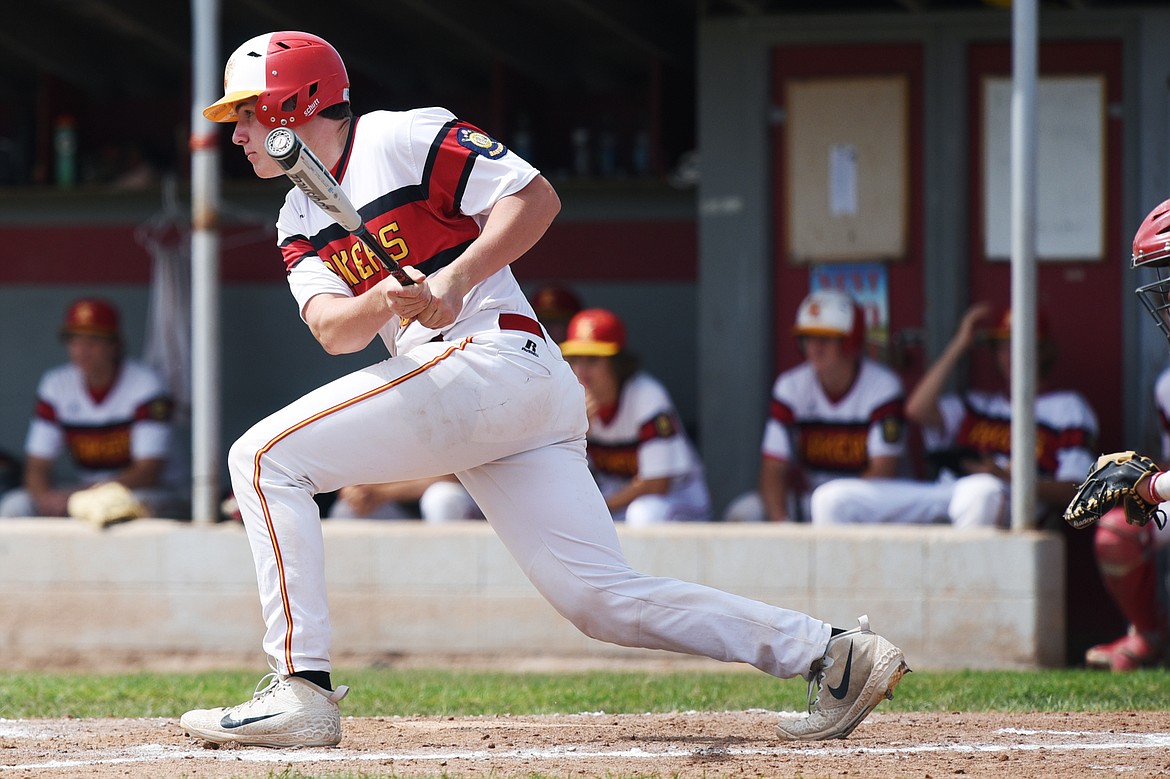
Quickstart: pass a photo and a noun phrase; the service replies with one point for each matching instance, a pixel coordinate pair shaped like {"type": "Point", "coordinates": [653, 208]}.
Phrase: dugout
{"type": "Point", "coordinates": [644, 236]}
{"type": "Point", "coordinates": [779, 89]}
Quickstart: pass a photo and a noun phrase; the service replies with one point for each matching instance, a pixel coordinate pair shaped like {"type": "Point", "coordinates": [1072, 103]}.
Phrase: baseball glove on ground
{"type": "Point", "coordinates": [105, 503]}
{"type": "Point", "coordinates": [1113, 482]}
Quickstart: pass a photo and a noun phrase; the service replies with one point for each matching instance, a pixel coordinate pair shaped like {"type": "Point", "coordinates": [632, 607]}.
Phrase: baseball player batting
{"type": "Point", "coordinates": [473, 386]}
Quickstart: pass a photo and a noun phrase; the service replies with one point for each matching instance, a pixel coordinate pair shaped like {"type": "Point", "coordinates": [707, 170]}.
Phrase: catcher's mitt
{"type": "Point", "coordinates": [105, 503]}
{"type": "Point", "coordinates": [1113, 482]}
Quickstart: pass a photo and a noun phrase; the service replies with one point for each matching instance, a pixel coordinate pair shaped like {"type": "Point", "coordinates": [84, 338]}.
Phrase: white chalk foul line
{"type": "Point", "coordinates": [152, 753]}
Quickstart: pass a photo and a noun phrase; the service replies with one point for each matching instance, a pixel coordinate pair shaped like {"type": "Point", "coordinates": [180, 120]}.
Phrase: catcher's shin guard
{"type": "Point", "coordinates": [1125, 558]}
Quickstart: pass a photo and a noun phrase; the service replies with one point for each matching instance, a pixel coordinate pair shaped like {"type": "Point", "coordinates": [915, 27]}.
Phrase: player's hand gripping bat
{"type": "Point", "coordinates": [312, 177]}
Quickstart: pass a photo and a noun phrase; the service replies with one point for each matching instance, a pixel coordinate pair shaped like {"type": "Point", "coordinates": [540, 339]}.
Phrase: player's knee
{"type": "Point", "coordinates": [647, 510]}
{"type": "Point", "coordinates": [1119, 546]}
{"type": "Point", "coordinates": [830, 503]}
{"type": "Point", "coordinates": [979, 500]}
{"type": "Point", "coordinates": [241, 456]}
{"type": "Point", "coordinates": [446, 501]}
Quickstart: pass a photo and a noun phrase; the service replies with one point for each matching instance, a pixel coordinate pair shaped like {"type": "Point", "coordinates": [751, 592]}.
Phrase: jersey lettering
{"type": "Point", "coordinates": [104, 448]}
{"type": "Point", "coordinates": [834, 447]}
{"type": "Point", "coordinates": [620, 460]}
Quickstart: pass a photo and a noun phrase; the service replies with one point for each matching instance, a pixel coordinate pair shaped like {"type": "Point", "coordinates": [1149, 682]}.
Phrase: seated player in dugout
{"type": "Point", "coordinates": [837, 414]}
{"type": "Point", "coordinates": [111, 415]}
{"type": "Point", "coordinates": [555, 307]}
{"type": "Point", "coordinates": [644, 462]}
{"type": "Point", "coordinates": [967, 437]}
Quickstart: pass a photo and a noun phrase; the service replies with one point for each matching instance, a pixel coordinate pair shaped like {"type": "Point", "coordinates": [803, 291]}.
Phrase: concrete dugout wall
{"type": "Point", "coordinates": [149, 589]}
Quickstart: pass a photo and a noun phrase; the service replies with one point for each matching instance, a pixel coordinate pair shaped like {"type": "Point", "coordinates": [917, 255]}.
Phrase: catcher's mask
{"type": "Point", "coordinates": [1151, 249]}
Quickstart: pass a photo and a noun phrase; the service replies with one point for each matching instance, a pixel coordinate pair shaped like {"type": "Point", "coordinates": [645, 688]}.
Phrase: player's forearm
{"type": "Point", "coordinates": [636, 489]}
{"type": "Point", "coordinates": [922, 404]}
{"type": "Point", "coordinates": [773, 490]}
{"type": "Point", "coordinates": [881, 468]}
{"type": "Point", "coordinates": [343, 325]}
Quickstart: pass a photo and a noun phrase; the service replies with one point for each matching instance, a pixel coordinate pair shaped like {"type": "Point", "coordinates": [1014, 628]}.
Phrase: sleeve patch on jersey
{"type": "Point", "coordinates": [664, 425]}
{"type": "Point", "coordinates": [480, 143]}
{"type": "Point", "coordinates": [892, 429]}
{"type": "Point", "coordinates": [157, 410]}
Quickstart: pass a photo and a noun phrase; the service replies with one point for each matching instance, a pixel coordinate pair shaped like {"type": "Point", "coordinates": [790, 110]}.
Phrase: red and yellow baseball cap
{"type": "Point", "coordinates": [595, 332]}
{"type": "Point", "coordinates": [92, 316]}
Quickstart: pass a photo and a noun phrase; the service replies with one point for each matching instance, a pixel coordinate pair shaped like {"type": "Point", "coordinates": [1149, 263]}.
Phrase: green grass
{"type": "Point", "coordinates": [377, 692]}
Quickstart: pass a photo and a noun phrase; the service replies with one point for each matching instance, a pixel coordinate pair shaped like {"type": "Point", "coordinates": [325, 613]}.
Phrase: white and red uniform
{"type": "Point", "coordinates": [488, 398]}
{"type": "Point", "coordinates": [827, 438]}
{"type": "Point", "coordinates": [102, 435]}
{"type": "Point", "coordinates": [644, 438]}
{"type": "Point", "coordinates": [834, 437]}
{"type": "Point", "coordinates": [978, 422]}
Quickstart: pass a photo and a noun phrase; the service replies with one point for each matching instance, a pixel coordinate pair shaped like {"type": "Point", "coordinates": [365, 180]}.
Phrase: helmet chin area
{"type": "Point", "coordinates": [1156, 298]}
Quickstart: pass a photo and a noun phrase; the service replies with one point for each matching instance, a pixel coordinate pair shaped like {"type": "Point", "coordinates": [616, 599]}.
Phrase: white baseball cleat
{"type": "Point", "coordinates": [858, 670]}
{"type": "Point", "coordinates": [288, 712]}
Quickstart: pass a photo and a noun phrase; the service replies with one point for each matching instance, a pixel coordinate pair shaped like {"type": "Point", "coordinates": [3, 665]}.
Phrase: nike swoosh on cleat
{"type": "Point", "coordinates": [842, 689]}
{"type": "Point", "coordinates": [230, 724]}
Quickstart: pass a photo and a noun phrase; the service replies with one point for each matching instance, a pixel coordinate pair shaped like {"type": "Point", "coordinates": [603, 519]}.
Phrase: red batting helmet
{"type": "Point", "coordinates": [595, 332]}
{"type": "Point", "coordinates": [1151, 249]}
{"type": "Point", "coordinates": [831, 313]}
{"type": "Point", "coordinates": [92, 316]}
{"type": "Point", "coordinates": [293, 74]}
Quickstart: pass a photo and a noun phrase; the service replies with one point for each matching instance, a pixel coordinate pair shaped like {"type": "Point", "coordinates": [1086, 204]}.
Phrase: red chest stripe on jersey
{"type": "Point", "coordinates": [448, 166]}
{"type": "Point", "coordinates": [99, 448]}
{"type": "Point", "coordinates": [619, 460]}
{"type": "Point", "coordinates": [827, 446]}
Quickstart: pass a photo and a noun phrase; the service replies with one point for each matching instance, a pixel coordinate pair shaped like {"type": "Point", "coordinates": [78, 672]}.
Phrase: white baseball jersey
{"type": "Point", "coordinates": [416, 202]}
{"type": "Point", "coordinates": [833, 437]}
{"type": "Point", "coordinates": [974, 423]}
{"type": "Point", "coordinates": [645, 438]}
{"type": "Point", "coordinates": [103, 435]}
{"type": "Point", "coordinates": [1066, 430]}
{"type": "Point", "coordinates": [488, 398]}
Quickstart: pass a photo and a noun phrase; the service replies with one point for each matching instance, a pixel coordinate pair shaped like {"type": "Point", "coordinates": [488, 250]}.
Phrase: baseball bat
{"type": "Point", "coordinates": [312, 177]}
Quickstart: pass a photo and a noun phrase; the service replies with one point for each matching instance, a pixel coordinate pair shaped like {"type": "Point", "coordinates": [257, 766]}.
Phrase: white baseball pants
{"type": "Point", "coordinates": [503, 411]}
{"type": "Point", "coordinates": [978, 500]}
